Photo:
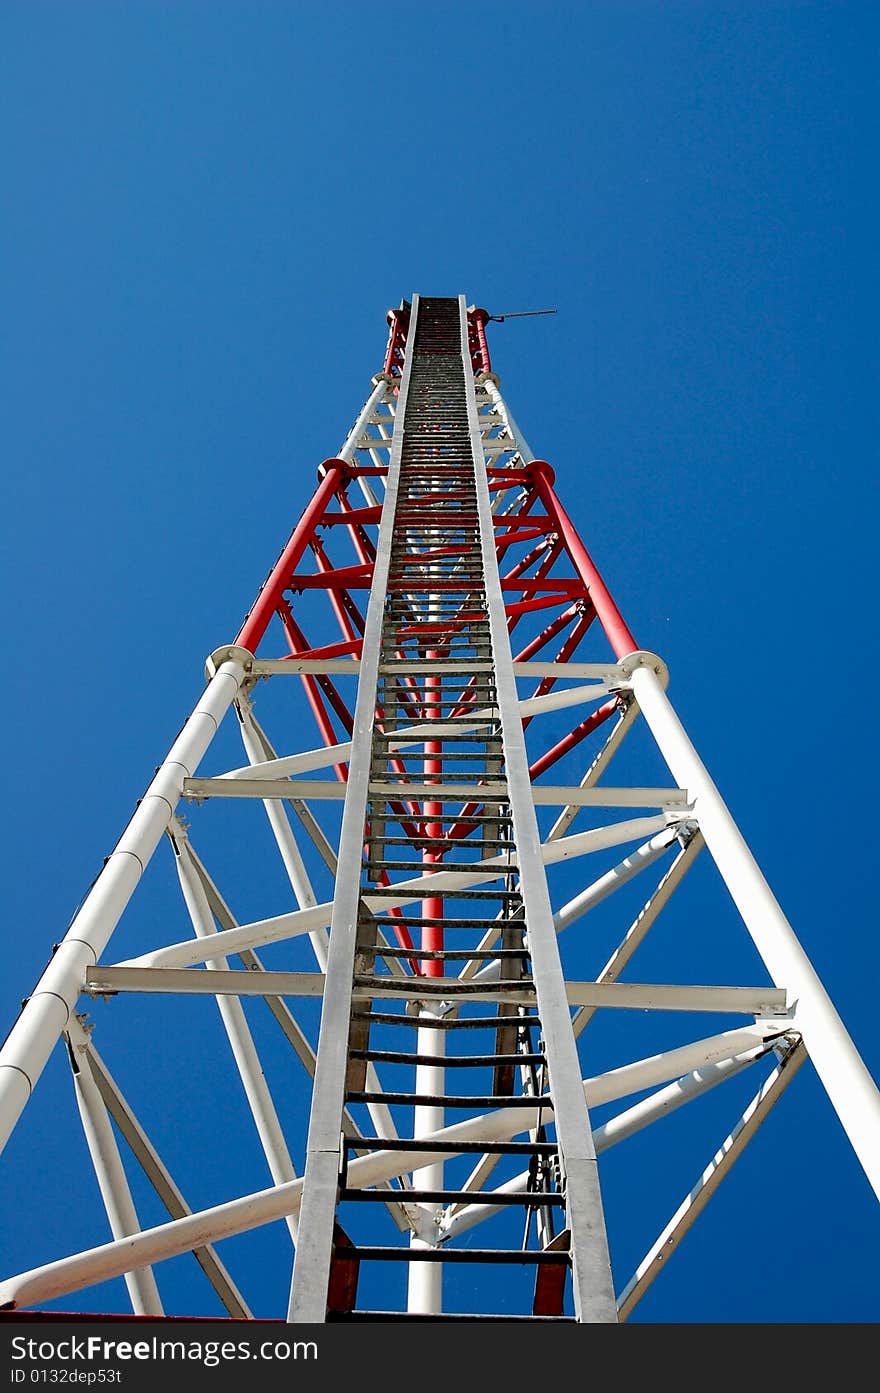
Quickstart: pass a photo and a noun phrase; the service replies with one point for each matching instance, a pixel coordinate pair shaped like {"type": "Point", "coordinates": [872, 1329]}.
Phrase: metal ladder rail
{"type": "Point", "coordinates": [455, 510]}
{"type": "Point", "coordinates": [433, 574]}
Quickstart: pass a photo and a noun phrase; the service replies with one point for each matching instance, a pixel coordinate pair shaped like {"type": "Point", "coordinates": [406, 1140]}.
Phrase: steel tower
{"type": "Point", "coordinates": [453, 919]}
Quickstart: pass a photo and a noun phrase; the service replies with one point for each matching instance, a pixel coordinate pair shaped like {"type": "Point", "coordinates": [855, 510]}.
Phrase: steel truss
{"type": "Point", "coordinates": [451, 1079]}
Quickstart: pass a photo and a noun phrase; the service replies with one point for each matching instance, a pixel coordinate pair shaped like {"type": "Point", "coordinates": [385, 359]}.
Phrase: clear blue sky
{"type": "Point", "coordinates": [208, 209]}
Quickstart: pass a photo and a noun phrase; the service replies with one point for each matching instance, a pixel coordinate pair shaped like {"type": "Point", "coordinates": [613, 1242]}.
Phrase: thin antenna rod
{"type": "Point", "coordinates": [518, 314]}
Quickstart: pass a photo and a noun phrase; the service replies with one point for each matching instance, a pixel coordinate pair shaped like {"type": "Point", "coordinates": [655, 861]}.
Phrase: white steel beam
{"type": "Point", "coordinates": [646, 917]}
{"type": "Point", "coordinates": [244, 1052]}
{"type": "Point", "coordinates": [619, 1128]}
{"type": "Point", "coordinates": [261, 931]}
{"type": "Point", "coordinates": [604, 757]}
{"type": "Point", "coordinates": [112, 1181]}
{"type": "Point", "coordinates": [153, 1167]}
{"type": "Point", "coordinates": [324, 790]}
{"type": "Point", "coordinates": [292, 1030]}
{"type": "Point", "coordinates": [697, 1199]}
{"type": "Point", "coordinates": [634, 996]}
{"type": "Point", "coordinates": [50, 1006]}
{"type": "Point", "coordinates": [600, 889]}
{"type": "Point", "coordinates": [288, 850]}
{"type": "Point", "coordinates": [612, 880]}
{"type": "Point", "coordinates": [368, 415]}
{"type": "Point", "coordinates": [265, 1206]}
{"type": "Point", "coordinates": [490, 384]}
{"type": "Point", "coordinates": [311, 1272]}
{"type": "Point", "coordinates": [667, 1100]}
{"type": "Point", "coordinates": [315, 833]}
{"type": "Point", "coordinates": [849, 1085]}
{"type": "Point", "coordinates": [187, 953]}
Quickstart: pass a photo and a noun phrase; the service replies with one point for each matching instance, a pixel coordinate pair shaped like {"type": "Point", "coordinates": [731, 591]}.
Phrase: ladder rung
{"type": "Point", "coordinates": [480, 705]}
{"type": "Point", "coordinates": [509, 1256]}
{"type": "Point", "coordinates": [449, 892]}
{"type": "Point", "coordinates": [497, 871]}
{"type": "Point", "coordinates": [442, 612]}
{"type": "Point", "coordinates": [444, 755]}
{"type": "Point", "coordinates": [460, 626]}
{"type": "Point", "coordinates": [454, 650]}
{"type": "Point", "coordinates": [448, 1023]}
{"type": "Point", "coordinates": [404, 704]}
{"type": "Point", "coordinates": [494, 819]}
{"type": "Point", "coordinates": [444, 843]}
{"type": "Point", "coordinates": [530, 1199]}
{"type": "Point", "coordinates": [403, 733]}
{"type": "Point", "coordinates": [451, 1100]}
{"type": "Point", "coordinates": [364, 1317]}
{"type": "Point", "coordinates": [447, 1061]}
{"type": "Point", "coordinates": [453, 679]}
{"type": "Point", "coordinates": [400, 785]}
{"type": "Point", "coordinates": [427, 921]}
{"type": "Point", "coordinates": [401, 737]}
{"type": "Point", "coordinates": [441, 986]}
{"type": "Point", "coordinates": [416, 1144]}
{"type": "Point", "coordinates": [459, 954]}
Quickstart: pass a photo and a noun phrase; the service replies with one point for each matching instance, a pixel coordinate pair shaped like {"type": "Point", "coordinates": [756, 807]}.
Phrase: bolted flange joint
{"type": "Point", "coordinates": [643, 658]}
{"type": "Point", "coordinates": [232, 653]}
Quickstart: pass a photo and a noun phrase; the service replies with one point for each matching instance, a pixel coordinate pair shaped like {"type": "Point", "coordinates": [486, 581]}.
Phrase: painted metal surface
{"type": "Point", "coordinates": [461, 923]}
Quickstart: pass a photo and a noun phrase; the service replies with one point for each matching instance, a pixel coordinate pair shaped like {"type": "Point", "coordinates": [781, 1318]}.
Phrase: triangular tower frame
{"type": "Point", "coordinates": [438, 951]}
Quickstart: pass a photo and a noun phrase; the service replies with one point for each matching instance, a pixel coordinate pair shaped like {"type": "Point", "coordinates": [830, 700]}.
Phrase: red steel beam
{"type": "Point", "coordinates": [612, 621]}
{"type": "Point", "coordinates": [267, 601]}
{"type": "Point", "coordinates": [574, 737]}
{"type": "Point", "coordinates": [479, 348]}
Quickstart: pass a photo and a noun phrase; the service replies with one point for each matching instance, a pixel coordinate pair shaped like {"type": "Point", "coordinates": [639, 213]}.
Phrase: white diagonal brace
{"type": "Point", "coordinates": [306, 817]}
{"type": "Point", "coordinates": [630, 866]}
{"type": "Point", "coordinates": [153, 1167]}
{"type": "Point", "coordinates": [617, 1129]}
{"type": "Point", "coordinates": [697, 1199]}
{"type": "Point", "coordinates": [604, 757]}
{"type": "Point", "coordinates": [379, 1112]}
{"type": "Point", "coordinates": [647, 916]}
{"type": "Point", "coordinates": [188, 952]}
{"type": "Point", "coordinates": [612, 880]}
{"type": "Point", "coordinates": [244, 1051]}
{"type": "Point", "coordinates": [265, 1206]}
{"type": "Point", "coordinates": [112, 1181]}
{"type": "Point", "coordinates": [288, 850]}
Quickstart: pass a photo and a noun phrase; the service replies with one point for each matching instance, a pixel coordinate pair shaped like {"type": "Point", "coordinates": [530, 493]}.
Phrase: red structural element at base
{"type": "Point", "coordinates": [344, 1272]}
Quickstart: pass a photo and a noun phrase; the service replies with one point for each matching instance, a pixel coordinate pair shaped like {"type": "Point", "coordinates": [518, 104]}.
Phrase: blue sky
{"type": "Point", "coordinates": [208, 210]}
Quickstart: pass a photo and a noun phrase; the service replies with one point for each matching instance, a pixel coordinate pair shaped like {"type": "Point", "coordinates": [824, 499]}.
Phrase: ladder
{"type": "Point", "coordinates": [440, 800]}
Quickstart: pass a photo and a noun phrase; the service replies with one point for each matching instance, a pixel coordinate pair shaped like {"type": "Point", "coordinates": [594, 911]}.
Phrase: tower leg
{"type": "Point", "coordinates": [849, 1086]}
{"type": "Point", "coordinates": [33, 1037]}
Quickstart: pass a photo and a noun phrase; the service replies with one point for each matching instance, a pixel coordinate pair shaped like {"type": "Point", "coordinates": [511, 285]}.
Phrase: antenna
{"type": "Point", "coordinates": [518, 314]}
